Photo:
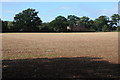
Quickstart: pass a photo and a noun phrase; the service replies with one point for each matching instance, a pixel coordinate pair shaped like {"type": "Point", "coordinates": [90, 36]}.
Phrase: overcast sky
{"type": "Point", "coordinates": [49, 10]}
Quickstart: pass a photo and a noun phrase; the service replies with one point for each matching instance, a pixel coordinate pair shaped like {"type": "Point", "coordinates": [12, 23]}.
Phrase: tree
{"type": "Point", "coordinates": [45, 27]}
{"type": "Point", "coordinates": [106, 28]}
{"type": "Point", "coordinates": [85, 21]}
{"type": "Point", "coordinates": [5, 27]}
{"type": "Point", "coordinates": [115, 19]}
{"type": "Point", "coordinates": [100, 22]}
{"type": "Point", "coordinates": [90, 25]}
{"type": "Point", "coordinates": [118, 29]}
{"type": "Point", "coordinates": [59, 24]}
{"type": "Point", "coordinates": [0, 25]}
{"type": "Point", "coordinates": [72, 20]}
{"type": "Point", "coordinates": [27, 20]}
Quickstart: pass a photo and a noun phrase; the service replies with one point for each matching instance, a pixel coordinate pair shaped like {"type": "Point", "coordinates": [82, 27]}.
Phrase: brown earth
{"type": "Point", "coordinates": [52, 52]}
{"type": "Point", "coordinates": [40, 45]}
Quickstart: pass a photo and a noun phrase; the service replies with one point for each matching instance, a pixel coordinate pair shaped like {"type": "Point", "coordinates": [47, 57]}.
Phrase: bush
{"type": "Point", "coordinates": [105, 28]}
{"type": "Point", "coordinates": [118, 28]}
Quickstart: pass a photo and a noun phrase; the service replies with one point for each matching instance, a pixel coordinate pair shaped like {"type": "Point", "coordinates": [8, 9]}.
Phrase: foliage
{"type": "Point", "coordinates": [105, 28]}
{"type": "Point", "coordinates": [90, 24]}
{"type": "Point", "coordinates": [6, 26]}
{"type": "Point", "coordinates": [59, 24]}
{"type": "Point", "coordinates": [45, 27]}
{"type": "Point", "coordinates": [100, 22]}
{"type": "Point", "coordinates": [85, 21]}
{"type": "Point", "coordinates": [27, 20]}
{"type": "Point", "coordinates": [118, 28]}
{"type": "Point", "coordinates": [115, 18]}
{"type": "Point", "coordinates": [72, 19]}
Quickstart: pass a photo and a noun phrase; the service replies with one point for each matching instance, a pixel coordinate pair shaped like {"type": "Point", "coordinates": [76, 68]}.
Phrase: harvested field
{"type": "Point", "coordinates": [60, 54]}
{"type": "Point", "coordinates": [40, 45]}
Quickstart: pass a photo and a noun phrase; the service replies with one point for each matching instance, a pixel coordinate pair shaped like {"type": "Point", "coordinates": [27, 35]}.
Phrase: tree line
{"type": "Point", "coordinates": [29, 21]}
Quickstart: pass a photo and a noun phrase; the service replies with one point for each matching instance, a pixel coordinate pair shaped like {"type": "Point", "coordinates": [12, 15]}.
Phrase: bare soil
{"type": "Point", "coordinates": [71, 55]}
{"type": "Point", "coordinates": [41, 45]}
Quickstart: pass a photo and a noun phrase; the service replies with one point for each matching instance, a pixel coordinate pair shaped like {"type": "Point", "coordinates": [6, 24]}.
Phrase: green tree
{"type": "Point", "coordinates": [0, 25]}
{"type": "Point", "coordinates": [100, 22]}
{"type": "Point", "coordinates": [85, 21]}
{"type": "Point", "coordinates": [106, 28]}
{"type": "Point", "coordinates": [45, 27]}
{"type": "Point", "coordinates": [90, 25]}
{"type": "Point", "coordinates": [59, 24]}
{"type": "Point", "coordinates": [27, 20]}
{"type": "Point", "coordinates": [5, 27]}
{"type": "Point", "coordinates": [115, 19]}
{"type": "Point", "coordinates": [118, 28]}
{"type": "Point", "coordinates": [72, 20]}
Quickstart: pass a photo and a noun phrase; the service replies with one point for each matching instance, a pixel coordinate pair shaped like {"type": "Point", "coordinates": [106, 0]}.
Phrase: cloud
{"type": "Point", "coordinates": [65, 8]}
{"type": "Point", "coordinates": [108, 12]}
{"type": "Point", "coordinates": [8, 11]}
{"type": "Point", "coordinates": [7, 18]}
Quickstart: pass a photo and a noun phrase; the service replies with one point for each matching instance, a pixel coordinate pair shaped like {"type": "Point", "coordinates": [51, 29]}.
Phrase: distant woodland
{"type": "Point", "coordinates": [29, 21]}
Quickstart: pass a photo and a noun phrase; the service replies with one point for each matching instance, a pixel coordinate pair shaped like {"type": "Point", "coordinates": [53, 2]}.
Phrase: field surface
{"type": "Point", "coordinates": [71, 55]}
{"type": "Point", "coordinates": [39, 45]}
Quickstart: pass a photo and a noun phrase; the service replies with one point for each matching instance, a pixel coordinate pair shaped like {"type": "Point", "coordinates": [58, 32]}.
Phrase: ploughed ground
{"type": "Point", "coordinates": [60, 55]}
